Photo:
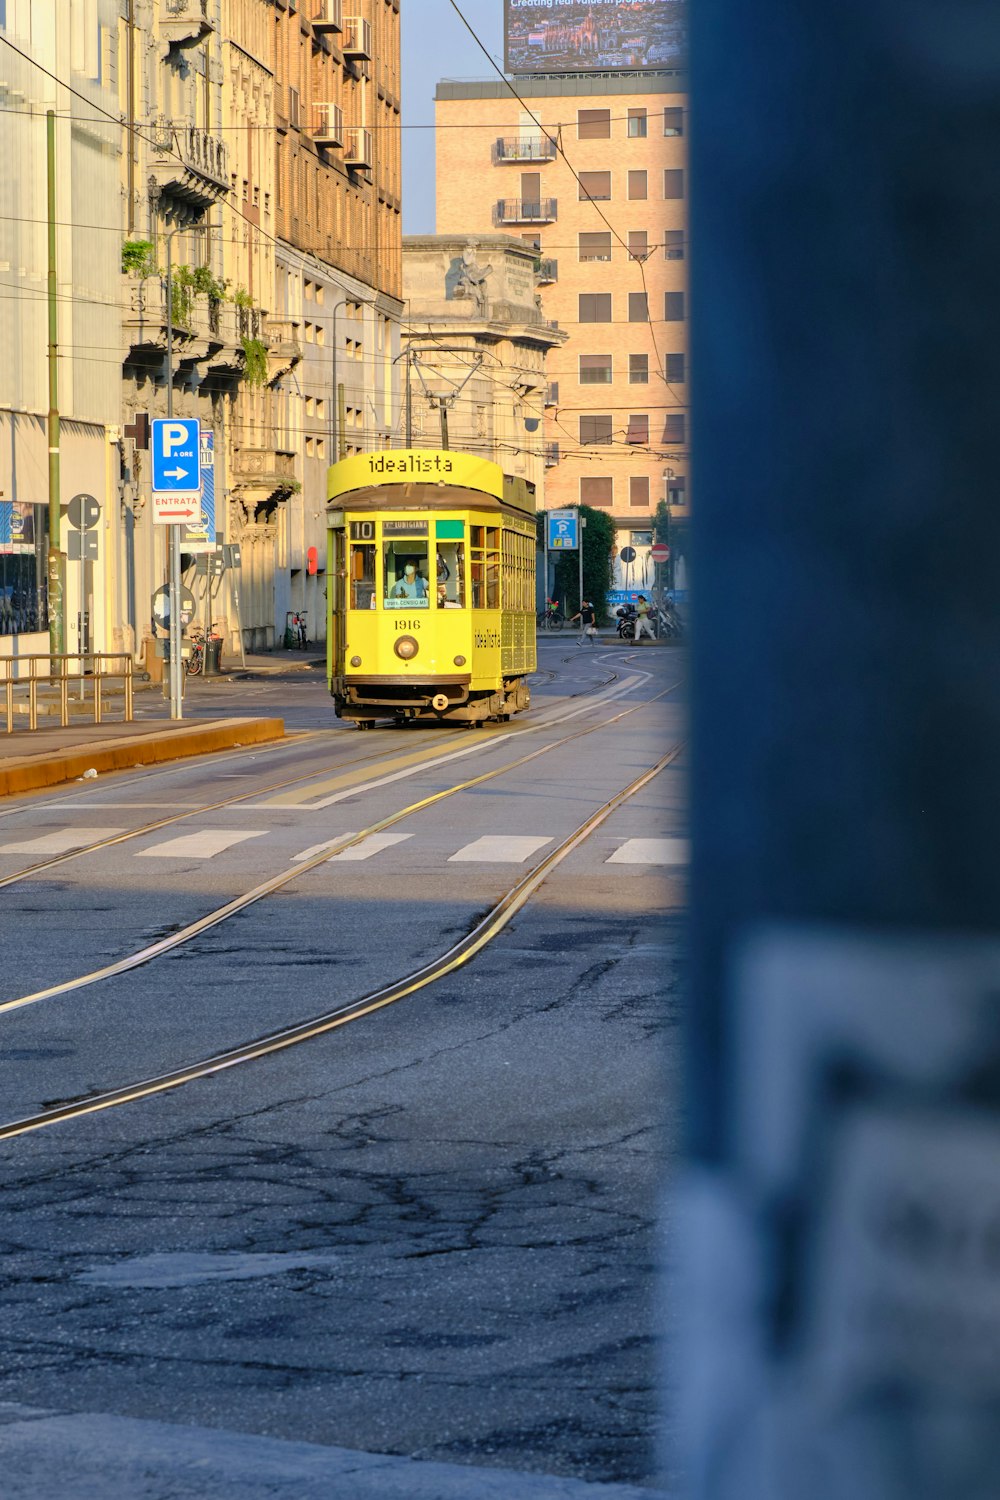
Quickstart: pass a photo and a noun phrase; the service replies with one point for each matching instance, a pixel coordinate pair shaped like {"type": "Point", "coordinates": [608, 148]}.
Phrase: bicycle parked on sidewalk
{"type": "Point", "coordinates": [194, 663]}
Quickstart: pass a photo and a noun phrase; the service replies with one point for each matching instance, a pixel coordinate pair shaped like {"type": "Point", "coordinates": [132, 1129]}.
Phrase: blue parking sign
{"type": "Point", "coordinates": [176, 456]}
{"type": "Point", "coordinates": [562, 529]}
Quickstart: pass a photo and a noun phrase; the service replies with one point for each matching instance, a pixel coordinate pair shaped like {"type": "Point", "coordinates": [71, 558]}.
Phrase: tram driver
{"type": "Point", "coordinates": [411, 586]}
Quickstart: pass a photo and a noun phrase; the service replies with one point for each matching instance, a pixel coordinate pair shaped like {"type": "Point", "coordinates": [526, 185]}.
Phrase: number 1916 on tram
{"type": "Point", "coordinates": [431, 588]}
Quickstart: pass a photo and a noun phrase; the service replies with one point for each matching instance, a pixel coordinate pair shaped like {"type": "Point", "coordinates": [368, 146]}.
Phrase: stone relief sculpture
{"type": "Point", "coordinates": [472, 278]}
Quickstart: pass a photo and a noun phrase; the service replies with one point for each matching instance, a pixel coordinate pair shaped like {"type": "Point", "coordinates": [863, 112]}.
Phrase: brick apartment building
{"type": "Point", "coordinates": [607, 221]}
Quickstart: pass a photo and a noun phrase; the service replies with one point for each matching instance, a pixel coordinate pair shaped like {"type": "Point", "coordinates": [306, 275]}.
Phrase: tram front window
{"type": "Point", "coordinates": [363, 577]}
{"type": "Point", "coordinates": [405, 572]}
{"type": "Point", "coordinates": [450, 571]}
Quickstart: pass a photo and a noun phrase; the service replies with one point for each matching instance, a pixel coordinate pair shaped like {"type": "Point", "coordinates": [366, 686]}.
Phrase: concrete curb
{"type": "Point", "coordinates": [27, 773]}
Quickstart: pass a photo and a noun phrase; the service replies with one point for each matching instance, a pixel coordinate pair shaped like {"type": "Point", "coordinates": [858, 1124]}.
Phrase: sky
{"type": "Point", "coordinates": [436, 45]}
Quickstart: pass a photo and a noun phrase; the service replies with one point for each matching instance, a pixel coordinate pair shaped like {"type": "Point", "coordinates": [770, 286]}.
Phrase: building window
{"type": "Point", "coordinates": [673, 307]}
{"type": "Point", "coordinates": [596, 246]}
{"type": "Point", "coordinates": [638, 307]}
{"type": "Point", "coordinates": [675, 429]}
{"type": "Point", "coordinates": [673, 183]}
{"type": "Point", "coordinates": [599, 493]}
{"type": "Point", "coordinates": [636, 123]}
{"type": "Point", "coordinates": [638, 491]}
{"type": "Point", "coordinates": [596, 186]}
{"type": "Point", "coordinates": [533, 240]}
{"type": "Point", "coordinates": [593, 124]}
{"type": "Point", "coordinates": [673, 120]}
{"type": "Point", "coordinates": [637, 184]}
{"type": "Point", "coordinates": [638, 429]}
{"type": "Point", "coordinates": [677, 493]}
{"type": "Point", "coordinates": [673, 244]}
{"type": "Point", "coordinates": [595, 369]}
{"type": "Point", "coordinates": [674, 369]}
{"type": "Point", "coordinates": [595, 307]}
{"type": "Point", "coordinates": [595, 428]}
{"type": "Point", "coordinates": [638, 369]}
{"type": "Point", "coordinates": [638, 244]}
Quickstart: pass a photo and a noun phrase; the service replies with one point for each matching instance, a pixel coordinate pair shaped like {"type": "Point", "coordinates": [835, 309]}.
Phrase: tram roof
{"type": "Point", "coordinates": [428, 478]}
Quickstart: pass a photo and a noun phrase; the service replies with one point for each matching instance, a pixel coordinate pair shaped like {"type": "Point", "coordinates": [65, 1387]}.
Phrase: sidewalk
{"type": "Point", "coordinates": [30, 759]}
{"type": "Point", "coordinates": [89, 1456]}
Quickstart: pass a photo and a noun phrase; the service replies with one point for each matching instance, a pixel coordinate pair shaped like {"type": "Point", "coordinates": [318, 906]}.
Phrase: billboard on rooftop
{"type": "Point", "coordinates": [591, 36]}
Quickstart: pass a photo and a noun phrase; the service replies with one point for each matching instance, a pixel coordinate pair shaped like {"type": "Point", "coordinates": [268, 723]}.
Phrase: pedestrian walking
{"type": "Point", "coordinates": [642, 620]}
{"type": "Point", "coordinates": [588, 622]}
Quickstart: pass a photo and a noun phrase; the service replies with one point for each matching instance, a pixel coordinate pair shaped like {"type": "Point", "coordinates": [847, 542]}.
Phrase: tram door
{"type": "Point", "coordinates": [337, 586]}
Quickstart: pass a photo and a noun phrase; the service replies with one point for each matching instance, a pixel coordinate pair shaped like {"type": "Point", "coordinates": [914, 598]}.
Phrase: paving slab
{"type": "Point", "coordinates": [46, 1455]}
{"type": "Point", "coordinates": [30, 759]}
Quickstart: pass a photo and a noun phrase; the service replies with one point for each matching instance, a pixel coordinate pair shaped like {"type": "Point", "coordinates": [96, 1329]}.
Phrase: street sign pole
{"type": "Point", "coordinates": [174, 539]}
{"type": "Point", "coordinates": [581, 523]}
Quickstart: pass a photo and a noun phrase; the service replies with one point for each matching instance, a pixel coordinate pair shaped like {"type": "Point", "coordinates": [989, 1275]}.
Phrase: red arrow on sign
{"type": "Point", "coordinates": [188, 512]}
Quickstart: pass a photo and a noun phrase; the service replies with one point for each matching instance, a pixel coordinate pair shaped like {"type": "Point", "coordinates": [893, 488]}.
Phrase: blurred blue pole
{"type": "Point", "coordinates": [845, 230]}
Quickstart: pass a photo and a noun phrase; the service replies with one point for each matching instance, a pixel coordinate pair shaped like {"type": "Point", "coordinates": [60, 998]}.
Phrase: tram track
{"type": "Point", "coordinates": [455, 957]}
{"type": "Point", "coordinates": [257, 893]}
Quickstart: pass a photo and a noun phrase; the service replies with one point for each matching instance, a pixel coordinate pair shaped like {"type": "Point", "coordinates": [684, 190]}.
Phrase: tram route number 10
{"type": "Point", "coordinates": [362, 531]}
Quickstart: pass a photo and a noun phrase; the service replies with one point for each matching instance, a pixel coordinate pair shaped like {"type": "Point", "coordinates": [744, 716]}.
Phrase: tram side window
{"type": "Point", "coordinates": [363, 576]}
{"type": "Point", "coordinates": [485, 567]}
{"type": "Point", "coordinates": [451, 575]}
{"type": "Point", "coordinates": [405, 561]}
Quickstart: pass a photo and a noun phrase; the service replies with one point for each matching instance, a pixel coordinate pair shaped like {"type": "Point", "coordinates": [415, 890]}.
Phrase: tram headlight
{"type": "Point", "coordinates": [460, 661]}
{"type": "Point", "coordinates": [406, 647]}
{"type": "Point", "coordinates": [355, 661]}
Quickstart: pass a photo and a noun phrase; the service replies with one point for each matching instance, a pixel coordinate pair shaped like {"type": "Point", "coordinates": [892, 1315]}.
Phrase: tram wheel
{"type": "Point", "coordinates": [363, 723]}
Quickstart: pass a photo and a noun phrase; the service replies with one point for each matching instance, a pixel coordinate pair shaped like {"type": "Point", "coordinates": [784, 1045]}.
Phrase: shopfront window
{"type": "Point", "coordinates": [24, 542]}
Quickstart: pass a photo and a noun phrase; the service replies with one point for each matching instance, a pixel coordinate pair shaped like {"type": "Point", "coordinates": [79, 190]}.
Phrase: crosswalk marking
{"type": "Point", "coordinates": [202, 845]}
{"type": "Point", "coordinates": [61, 840]}
{"type": "Point", "coordinates": [651, 852]}
{"type": "Point", "coordinates": [500, 849]}
{"type": "Point", "coordinates": [373, 844]}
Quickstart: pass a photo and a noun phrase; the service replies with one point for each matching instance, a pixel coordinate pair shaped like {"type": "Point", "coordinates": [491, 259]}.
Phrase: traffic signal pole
{"type": "Point", "coordinates": [840, 1214]}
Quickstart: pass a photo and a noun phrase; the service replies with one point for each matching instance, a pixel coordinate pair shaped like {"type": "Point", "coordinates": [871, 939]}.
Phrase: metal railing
{"type": "Point", "coordinates": [80, 671]}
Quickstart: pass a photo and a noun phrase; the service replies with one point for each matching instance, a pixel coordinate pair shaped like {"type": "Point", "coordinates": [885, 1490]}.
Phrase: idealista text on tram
{"type": "Point", "coordinates": [432, 463]}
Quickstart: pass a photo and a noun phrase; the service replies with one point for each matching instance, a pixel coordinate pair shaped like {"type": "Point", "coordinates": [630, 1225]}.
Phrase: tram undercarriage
{"type": "Point", "coordinates": [444, 700]}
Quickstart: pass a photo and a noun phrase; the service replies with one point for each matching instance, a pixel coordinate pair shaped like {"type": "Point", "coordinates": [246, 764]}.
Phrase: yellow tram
{"type": "Point", "coordinates": [431, 588]}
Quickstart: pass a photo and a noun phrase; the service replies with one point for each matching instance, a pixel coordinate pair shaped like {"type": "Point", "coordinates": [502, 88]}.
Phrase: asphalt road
{"type": "Point", "coordinates": [429, 1233]}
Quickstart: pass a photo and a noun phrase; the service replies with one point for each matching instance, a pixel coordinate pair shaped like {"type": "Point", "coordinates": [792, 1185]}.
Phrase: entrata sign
{"type": "Point", "coordinates": [174, 510]}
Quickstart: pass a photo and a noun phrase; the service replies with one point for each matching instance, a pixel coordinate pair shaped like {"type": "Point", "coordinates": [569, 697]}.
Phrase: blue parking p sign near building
{"type": "Point", "coordinates": [176, 457]}
{"type": "Point", "coordinates": [563, 527]}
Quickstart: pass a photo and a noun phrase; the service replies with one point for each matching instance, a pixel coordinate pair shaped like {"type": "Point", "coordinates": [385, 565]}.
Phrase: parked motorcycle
{"type": "Point", "coordinates": [626, 622]}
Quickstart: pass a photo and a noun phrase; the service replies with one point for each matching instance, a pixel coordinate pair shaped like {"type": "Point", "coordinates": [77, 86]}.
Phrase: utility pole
{"type": "Point", "coordinates": [580, 525]}
{"type": "Point", "coordinates": [837, 1223]}
{"type": "Point", "coordinates": [173, 532]}
{"type": "Point", "coordinates": [444, 424]}
{"type": "Point", "coordinates": [409, 398]}
{"type": "Point", "coordinates": [56, 563]}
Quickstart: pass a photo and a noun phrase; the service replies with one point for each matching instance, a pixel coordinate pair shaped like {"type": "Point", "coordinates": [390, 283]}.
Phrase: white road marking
{"type": "Point", "coordinates": [652, 852]}
{"type": "Point", "coordinates": [318, 848]}
{"type": "Point", "coordinates": [373, 844]}
{"type": "Point", "coordinates": [60, 841]}
{"type": "Point", "coordinates": [426, 765]}
{"type": "Point", "coordinates": [202, 845]}
{"type": "Point", "coordinates": [500, 849]}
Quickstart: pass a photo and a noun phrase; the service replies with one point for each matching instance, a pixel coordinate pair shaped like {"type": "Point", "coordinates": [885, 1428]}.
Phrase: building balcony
{"type": "Point", "coordinates": [357, 43]}
{"type": "Point", "coordinates": [359, 148]}
{"type": "Point", "coordinates": [328, 125]}
{"type": "Point", "coordinates": [519, 211]}
{"type": "Point", "coordinates": [551, 455]}
{"type": "Point", "coordinates": [262, 469]}
{"type": "Point", "coordinates": [328, 15]}
{"type": "Point", "coordinates": [519, 148]}
{"type": "Point", "coordinates": [189, 164]}
{"type": "Point", "coordinates": [183, 23]}
{"type": "Point", "coordinates": [285, 350]}
{"type": "Point", "coordinates": [546, 272]}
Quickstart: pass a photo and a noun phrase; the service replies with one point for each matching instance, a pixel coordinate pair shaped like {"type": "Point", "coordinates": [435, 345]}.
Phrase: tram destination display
{"type": "Point", "coordinates": [587, 36]}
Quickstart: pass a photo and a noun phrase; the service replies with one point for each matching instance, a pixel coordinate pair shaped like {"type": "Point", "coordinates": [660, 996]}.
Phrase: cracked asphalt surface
{"type": "Point", "coordinates": [431, 1235]}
